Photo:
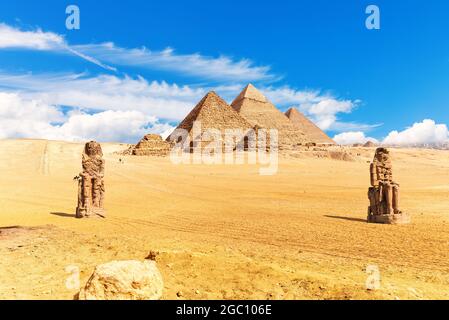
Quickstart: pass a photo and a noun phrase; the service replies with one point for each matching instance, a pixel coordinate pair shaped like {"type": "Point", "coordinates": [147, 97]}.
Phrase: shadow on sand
{"type": "Point", "coordinates": [62, 214]}
{"type": "Point", "coordinates": [347, 218]}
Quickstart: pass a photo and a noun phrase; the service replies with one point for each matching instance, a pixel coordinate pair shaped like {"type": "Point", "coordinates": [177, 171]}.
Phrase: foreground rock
{"type": "Point", "coordinates": [384, 192]}
{"type": "Point", "coordinates": [124, 280]}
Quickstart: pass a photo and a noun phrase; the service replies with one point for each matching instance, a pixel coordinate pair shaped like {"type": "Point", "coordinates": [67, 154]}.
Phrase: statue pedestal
{"type": "Point", "coordinates": [401, 218]}
{"type": "Point", "coordinates": [90, 213]}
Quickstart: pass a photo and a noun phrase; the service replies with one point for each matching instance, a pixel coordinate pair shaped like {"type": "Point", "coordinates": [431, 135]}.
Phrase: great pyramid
{"type": "Point", "coordinates": [258, 111]}
{"type": "Point", "coordinates": [312, 132]}
{"type": "Point", "coordinates": [213, 113]}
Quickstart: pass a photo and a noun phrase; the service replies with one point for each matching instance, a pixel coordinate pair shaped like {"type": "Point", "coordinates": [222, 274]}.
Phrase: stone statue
{"type": "Point", "coordinates": [384, 192]}
{"type": "Point", "coordinates": [91, 183]}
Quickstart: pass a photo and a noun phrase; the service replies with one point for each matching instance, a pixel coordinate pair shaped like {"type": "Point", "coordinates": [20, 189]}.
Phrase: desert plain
{"type": "Point", "coordinates": [224, 231]}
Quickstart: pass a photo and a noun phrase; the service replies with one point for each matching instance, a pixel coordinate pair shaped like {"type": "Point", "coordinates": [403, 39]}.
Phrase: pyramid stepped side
{"type": "Point", "coordinates": [311, 130]}
{"type": "Point", "coordinates": [151, 145]}
{"type": "Point", "coordinates": [257, 110]}
{"type": "Point", "coordinates": [213, 113]}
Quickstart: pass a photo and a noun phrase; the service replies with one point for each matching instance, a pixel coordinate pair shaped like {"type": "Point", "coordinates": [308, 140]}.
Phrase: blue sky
{"type": "Point", "coordinates": [316, 55]}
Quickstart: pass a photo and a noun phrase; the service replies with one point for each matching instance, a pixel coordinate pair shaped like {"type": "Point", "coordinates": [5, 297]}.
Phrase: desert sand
{"type": "Point", "coordinates": [224, 232]}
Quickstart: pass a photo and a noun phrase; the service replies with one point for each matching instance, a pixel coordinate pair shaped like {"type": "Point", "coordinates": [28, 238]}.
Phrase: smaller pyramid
{"type": "Point", "coordinates": [369, 144]}
{"type": "Point", "coordinates": [312, 131]}
{"type": "Point", "coordinates": [151, 145]}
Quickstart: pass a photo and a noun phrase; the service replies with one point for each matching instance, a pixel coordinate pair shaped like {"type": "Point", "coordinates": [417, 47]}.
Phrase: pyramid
{"type": "Point", "coordinates": [151, 145]}
{"type": "Point", "coordinates": [259, 111]}
{"type": "Point", "coordinates": [312, 132]}
{"type": "Point", "coordinates": [213, 113]}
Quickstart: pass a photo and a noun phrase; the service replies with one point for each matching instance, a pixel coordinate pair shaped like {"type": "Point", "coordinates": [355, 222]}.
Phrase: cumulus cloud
{"type": "Point", "coordinates": [30, 118]}
{"type": "Point", "coordinates": [160, 99]}
{"type": "Point", "coordinates": [427, 132]}
{"type": "Point", "coordinates": [353, 137]}
{"type": "Point", "coordinates": [322, 108]}
{"type": "Point", "coordinates": [106, 92]}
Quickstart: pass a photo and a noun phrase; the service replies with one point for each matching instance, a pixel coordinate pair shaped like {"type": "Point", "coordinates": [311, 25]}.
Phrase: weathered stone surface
{"type": "Point", "coordinates": [259, 111]}
{"type": "Point", "coordinates": [384, 192]}
{"type": "Point", "coordinates": [91, 188]}
{"type": "Point", "coordinates": [124, 280]}
{"type": "Point", "coordinates": [151, 145]}
{"type": "Point", "coordinates": [312, 132]}
{"type": "Point", "coordinates": [211, 115]}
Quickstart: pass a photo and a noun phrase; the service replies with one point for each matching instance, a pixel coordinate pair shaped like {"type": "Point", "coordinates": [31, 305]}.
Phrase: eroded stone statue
{"type": "Point", "coordinates": [91, 183]}
{"type": "Point", "coordinates": [384, 192]}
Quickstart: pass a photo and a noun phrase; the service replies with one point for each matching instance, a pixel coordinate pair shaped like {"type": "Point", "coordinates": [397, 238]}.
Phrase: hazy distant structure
{"type": "Point", "coordinates": [311, 131]}
{"type": "Point", "coordinates": [91, 182]}
{"type": "Point", "coordinates": [369, 144]}
{"type": "Point", "coordinates": [151, 145]}
{"type": "Point", "coordinates": [384, 192]}
{"type": "Point", "coordinates": [252, 105]}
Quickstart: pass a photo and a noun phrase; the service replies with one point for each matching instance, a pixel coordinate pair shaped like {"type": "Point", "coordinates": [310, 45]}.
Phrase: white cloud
{"type": "Point", "coordinates": [30, 118]}
{"type": "Point", "coordinates": [105, 92]}
{"type": "Point", "coordinates": [216, 68]}
{"type": "Point", "coordinates": [353, 137]}
{"type": "Point", "coordinates": [323, 109]}
{"type": "Point", "coordinates": [36, 40]}
{"type": "Point", "coordinates": [14, 38]}
{"type": "Point", "coordinates": [426, 132]}
{"type": "Point", "coordinates": [220, 68]}
{"type": "Point", "coordinates": [159, 99]}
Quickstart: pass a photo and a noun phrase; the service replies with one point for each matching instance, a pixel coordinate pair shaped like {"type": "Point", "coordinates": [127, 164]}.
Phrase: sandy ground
{"type": "Point", "coordinates": [224, 231]}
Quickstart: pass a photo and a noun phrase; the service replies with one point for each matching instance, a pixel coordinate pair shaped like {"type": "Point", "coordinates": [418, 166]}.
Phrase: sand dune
{"type": "Point", "coordinates": [224, 231]}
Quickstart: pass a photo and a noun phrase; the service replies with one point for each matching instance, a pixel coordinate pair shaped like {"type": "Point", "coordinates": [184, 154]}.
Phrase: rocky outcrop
{"type": "Point", "coordinates": [124, 280]}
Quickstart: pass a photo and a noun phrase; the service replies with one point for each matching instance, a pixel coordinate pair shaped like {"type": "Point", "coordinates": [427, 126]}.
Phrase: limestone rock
{"type": "Point", "coordinates": [151, 145]}
{"type": "Point", "coordinates": [124, 280]}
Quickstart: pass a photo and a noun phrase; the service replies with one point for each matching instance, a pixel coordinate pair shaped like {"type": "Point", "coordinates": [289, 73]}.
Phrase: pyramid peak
{"type": "Point", "coordinates": [291, 111]}
{"type": "Point", "coordinates": [210, 97]}
{"type": "Point", "coordinates": [251, 92]}
{"type": "Point", "coordinates": [211, 93]}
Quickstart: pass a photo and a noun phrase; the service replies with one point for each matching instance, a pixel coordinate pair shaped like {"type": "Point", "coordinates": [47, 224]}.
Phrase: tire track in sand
{"type": "Point", "coordinates": [44, 166]}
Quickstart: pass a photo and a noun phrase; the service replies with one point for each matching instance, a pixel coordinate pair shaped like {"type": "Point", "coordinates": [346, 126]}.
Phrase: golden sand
{"type": "Point", "coordinates": [225, 232]}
